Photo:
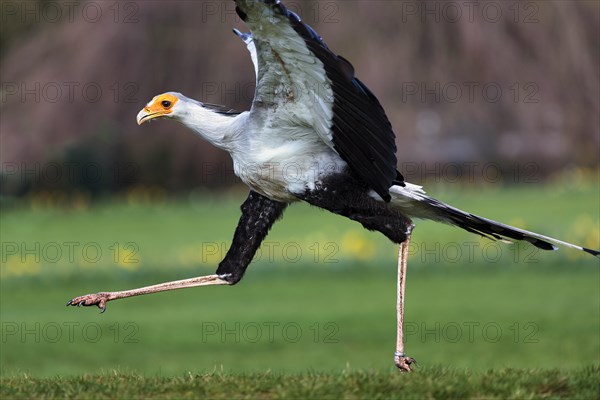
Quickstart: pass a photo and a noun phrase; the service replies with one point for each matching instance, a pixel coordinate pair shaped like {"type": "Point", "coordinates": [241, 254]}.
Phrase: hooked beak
{"type": "Point", "coordinates": [150, 112]}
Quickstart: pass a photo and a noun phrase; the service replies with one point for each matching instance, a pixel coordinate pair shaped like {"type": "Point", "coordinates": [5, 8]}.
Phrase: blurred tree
{"type": "Point", "coordinates": [504, 82]}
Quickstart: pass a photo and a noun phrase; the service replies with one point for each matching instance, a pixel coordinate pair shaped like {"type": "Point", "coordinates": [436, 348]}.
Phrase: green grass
{"type": "Point", "coordinates": [314, 317]}
{"type": "Point", "coordinates": [427, 383]}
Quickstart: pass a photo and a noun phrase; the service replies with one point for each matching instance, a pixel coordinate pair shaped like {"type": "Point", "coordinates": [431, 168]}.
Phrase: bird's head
{"type": "Point", "coordinates": [213, 123]}
{"type": "Point", "coordinates": [166, 105]}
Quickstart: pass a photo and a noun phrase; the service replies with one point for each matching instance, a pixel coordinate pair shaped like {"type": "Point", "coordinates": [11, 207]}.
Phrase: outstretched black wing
{"type": "Point", "coordinates": [308, 84]}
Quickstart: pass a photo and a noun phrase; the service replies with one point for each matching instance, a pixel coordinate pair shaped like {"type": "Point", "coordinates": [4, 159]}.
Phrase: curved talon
{"type": "Point", "coordinates": [98, 299]}
{"type": "Point", "coordinates": [403, 362]}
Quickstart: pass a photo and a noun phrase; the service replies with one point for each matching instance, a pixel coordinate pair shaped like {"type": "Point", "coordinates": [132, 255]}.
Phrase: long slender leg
{"type": "Point", "coordinates": [343, 195]}
{"type": "Point", "coordinates": [400, 359]}
{"type": "Point", "coordinates": [100, 299]}
{"type": "Point", "coordinates": [258, 215]}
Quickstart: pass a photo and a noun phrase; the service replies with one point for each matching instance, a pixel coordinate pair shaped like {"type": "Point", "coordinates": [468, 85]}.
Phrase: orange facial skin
{"type": "Point", "coordinates": [160, 106]}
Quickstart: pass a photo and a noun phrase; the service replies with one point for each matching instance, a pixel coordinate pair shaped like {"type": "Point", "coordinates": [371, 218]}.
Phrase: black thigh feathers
{"type": "Point", "coordinates": [346, 195]}
{"type": "Point", "coordinates": [258, 216]}
{"type": "Point", "coordinates": [341, 194]}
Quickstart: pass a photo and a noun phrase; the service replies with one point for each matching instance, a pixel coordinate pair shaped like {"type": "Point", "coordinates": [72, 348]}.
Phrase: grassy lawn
{"type": "Point", "coordinates": [315, 314]}
{"type": "Point", "coordinates": [427, 383]}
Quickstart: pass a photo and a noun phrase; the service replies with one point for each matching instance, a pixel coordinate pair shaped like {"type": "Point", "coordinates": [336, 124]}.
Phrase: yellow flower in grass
{"type": "Point", "coordinates": [593, 239]}
{"type": "Point", "coordinates": [356, 245]}
{"type": "Point", "coordinates": [586, 232]}
{"type": "Point", "coordinates": [127, 257]}
{"type": "Point", "coordinates": [16, 266]}
{"type": "Point", "coordinates": [209, 253]}
{"type": "Point", "coordinates": [189, 256]}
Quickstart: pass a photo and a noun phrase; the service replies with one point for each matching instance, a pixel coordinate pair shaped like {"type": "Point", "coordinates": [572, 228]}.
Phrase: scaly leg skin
{"type": "Point", "coordinates": [100, 299]}
{"type": "Point", "coordinates": [258, 215]}
{"type": "Point", "coordinates": [400, 359]}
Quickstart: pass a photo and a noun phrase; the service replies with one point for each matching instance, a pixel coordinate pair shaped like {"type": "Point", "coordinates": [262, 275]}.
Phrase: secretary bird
{"type": "Point", "coordinates": [314, 133]}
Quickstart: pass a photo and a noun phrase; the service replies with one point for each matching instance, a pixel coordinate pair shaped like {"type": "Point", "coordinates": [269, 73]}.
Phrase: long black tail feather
{"type": "Point", "coordinates": [413, 201]}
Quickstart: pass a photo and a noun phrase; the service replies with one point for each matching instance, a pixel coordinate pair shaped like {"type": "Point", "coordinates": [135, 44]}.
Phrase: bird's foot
{"type": "Point", "coordinates": [97, 299]}
{"type": "Point", "coordinates": [403, 362]}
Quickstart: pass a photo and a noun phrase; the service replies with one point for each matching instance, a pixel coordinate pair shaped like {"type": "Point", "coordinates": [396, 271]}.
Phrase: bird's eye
{"type": "Point", "coordinates": [166, 103]}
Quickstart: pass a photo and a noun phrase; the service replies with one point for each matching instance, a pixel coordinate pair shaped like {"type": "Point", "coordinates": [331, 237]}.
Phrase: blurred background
{"type": "Point", "coordinates": [515, 85]}
{"type": "Point", "coordinates": [495, 106]}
